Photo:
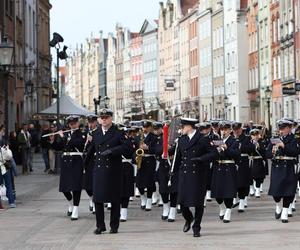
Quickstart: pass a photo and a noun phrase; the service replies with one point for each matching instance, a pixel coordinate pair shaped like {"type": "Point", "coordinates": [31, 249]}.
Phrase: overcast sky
{"type": "Point", "coordinates": [76, 19]}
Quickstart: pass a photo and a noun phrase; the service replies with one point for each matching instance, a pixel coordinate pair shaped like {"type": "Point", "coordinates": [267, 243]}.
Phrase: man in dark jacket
{"type": "Point", "coordinates": [196, 153]}
{"type": "Point", "coordinates": [107, 146]}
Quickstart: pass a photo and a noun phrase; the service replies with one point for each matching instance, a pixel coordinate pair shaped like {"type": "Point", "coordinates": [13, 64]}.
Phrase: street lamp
{"type": "Point", "coordinates": [106, 101]}
{"type": "Point", "coordinates": [55, 43]}
{"type": "Point", "coordinates": [6, 56]}
{"type": "Point", "coordinates": [225, 106]}
{"type": "Point", "coordinates": [96, 103]}
{"type": "Point", "coordinates": [268, 93]}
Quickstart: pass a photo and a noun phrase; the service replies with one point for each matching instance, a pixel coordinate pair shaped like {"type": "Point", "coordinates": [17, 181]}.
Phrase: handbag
{"type": "Point", "coordinates": [2, 190]}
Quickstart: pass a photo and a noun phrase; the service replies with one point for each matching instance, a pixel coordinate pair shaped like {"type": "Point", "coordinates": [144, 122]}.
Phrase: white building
{"type": "Point", "coordinates": [236, 60]}
{"type": "Point", "coordinates": [150, 91]}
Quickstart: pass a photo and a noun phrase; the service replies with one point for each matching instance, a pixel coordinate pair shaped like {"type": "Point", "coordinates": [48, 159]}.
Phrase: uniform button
{"type": "Point", "coordinates": [184, 172]}
{"type": "Point", "coordinates": [184, 158]}
{"type": "Point", "coordinates": [194, 165]}
{"type": "Point", "coordinates": [184, 164]}
{"type": "Point", "coordinates": [107, 166]}
{"type": "Point", "coordinates": [107, 159]}
{"type": "Point", "coordinates": [98, 166]}
{"type": "Point", "coordinates": [194, 172]}
{"type": "Point", "coordinates": [107, 145]}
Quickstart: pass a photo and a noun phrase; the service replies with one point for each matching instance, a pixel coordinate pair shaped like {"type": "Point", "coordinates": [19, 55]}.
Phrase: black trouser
{"type": "Point", "coordinates": [227, 201]}
{"type": "Point", "coordinates": [287, 200]}
{"type": "Point", "coordinates": [76, 197]}
{"type": "Point", "coordinates": [149, 192]}
{"type": "Point", "coordinates": [188, 216]}
{"type": "Point", "coordinates": [125, 202]}
{"type": "Point", "coordinates": [89, 193]}
{"type": "Point", "coordinates": [258, 182]}
{"type": "Point", "coordinates": [173, 198]}
{"type": "Point", "coordinates": [243, 192]}
{"type": "Point", "coordinates": [114, 215]}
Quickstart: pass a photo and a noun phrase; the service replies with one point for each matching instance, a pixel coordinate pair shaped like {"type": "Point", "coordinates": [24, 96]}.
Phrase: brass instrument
{"type": "Point", "coordinates": [140, 152]}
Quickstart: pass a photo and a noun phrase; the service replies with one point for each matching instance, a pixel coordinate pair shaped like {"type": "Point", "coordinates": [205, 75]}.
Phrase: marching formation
{"type": "Point", "coordinates": [179, 164]}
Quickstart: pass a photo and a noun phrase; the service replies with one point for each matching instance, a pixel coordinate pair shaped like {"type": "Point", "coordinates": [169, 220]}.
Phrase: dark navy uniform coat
{"type": "Point", "coordinates": [283, 174]}
{"type": "Point", "coordinates": [146, 174]}
{"type": "Point", "coordinates": [224, 177]}
{"type": "Point", "coordinates": [193, 174]}
{"type": "Point", "coordinates": [71, 173]}
{"type": "Point", "coordinates": [107, 173]}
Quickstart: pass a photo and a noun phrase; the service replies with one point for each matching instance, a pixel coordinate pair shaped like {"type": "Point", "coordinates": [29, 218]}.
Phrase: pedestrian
{"type": "Point", "coordinates": [284, 172]}
{"type": "Point", "coordinates": [196, 153]}
{"type": "Point", "coordinates": [5, 172]}
{"type": "Point", "coordinates": [54, 156]}
{"type": "Point", "coordinates": [14, 147]}
{"type": "Point", "coordinates": [71, 175]}
{"type": "Point", "coordinates": [108, 145]}
{"type": "Point", "coordinates": [24, 140]}
{"type": "Point", "coordinates": [45, 146]}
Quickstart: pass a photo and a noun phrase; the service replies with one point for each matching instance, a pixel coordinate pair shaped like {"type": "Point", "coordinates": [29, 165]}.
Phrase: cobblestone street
{"type": "Point", "coordinates": [40, 222]}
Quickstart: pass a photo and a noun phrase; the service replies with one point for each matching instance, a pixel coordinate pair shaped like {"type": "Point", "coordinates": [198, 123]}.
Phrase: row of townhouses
{"type": "Point", "coordinates": [236, 60]}
{"type": "Point", "coordinates": [24, 24]}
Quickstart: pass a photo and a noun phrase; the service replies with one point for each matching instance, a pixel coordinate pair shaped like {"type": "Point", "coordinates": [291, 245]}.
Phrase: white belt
{"type": "Point", "coordinates": [226, 162]}
{"type": "Point", "coordinates": [244, 155]}
{"type": "Point", "coordinates": [255, 157]}
{"type": "Point", "coordinates": [285, 158]}
{"type": "Point", "coordinates": [148, 155]}
{"type": "Point", "coordinates": [72, 153]}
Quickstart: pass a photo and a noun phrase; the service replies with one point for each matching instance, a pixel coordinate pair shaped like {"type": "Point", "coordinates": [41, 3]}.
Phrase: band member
{"type": "Point", "coordinates": [156, 196]}
{"type": "Point", "coordinates": [107, 146]}
{"type": "Point", "coordinates": [283, 152]}
{"type": "Point", "coordinates": [195, 152]}
{"type": "Point", "coordinates": [71, 174]}
{"type": "Point", "coordinates": [244, 173]}
{"type": "Point", "coordinates": [224, 176]}
{"type": "Point", "coordinates": [257, 163]}
{"type": "Point", "coordinates": [88, 175]}
{"type": "Point", "coordinates": [145, 178]}
{"type": "Point", "coordinates": [168, 191]}
{"type": "Point", "coordinates": [213, 134]}
{"type": "Point", "coordinates": [127, 176]}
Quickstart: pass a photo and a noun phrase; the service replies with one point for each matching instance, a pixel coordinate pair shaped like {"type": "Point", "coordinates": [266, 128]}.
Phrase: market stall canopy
{"type": "Point", "coordinates": [67, 107]}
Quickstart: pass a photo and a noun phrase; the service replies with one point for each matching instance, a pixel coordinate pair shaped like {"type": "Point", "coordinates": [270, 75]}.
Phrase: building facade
{"type": "Point", "coordinates": [236, 60]}
{"type": "Point", "coordinates": [148, 33]}
{"type": "Point", "coordinates": [205, 60]}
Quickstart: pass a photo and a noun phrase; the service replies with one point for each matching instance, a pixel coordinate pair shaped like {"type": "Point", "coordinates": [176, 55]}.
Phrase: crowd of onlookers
{"type": "Point", "coordinates": [21, 145]}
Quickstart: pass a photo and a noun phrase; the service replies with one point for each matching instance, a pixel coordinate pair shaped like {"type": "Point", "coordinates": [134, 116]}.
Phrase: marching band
{"type": "Point", "coordinates": [219, 160]}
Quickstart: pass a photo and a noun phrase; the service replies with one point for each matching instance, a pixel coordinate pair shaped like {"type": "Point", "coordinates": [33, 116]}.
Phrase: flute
{"type": "Point", "coordinates": [56, 133]}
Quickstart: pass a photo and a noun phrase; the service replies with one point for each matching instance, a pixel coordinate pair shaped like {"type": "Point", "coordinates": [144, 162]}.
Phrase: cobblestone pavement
{"type": "Point", "coordinates": [40, 222]}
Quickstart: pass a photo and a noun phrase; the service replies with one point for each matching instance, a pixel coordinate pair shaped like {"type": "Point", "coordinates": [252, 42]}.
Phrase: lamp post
{"type": "Point", "coordinates": [96, 103]}
{"type": "Point", "coordinates": [55, 43]}
{"type": "Point", "coordinates": [106, 101]}
{"type": "Point", "coordinates": [225, 106]}
{"type": "Point", "coordinates": [6, 55]}
{"type": "Point", "coordinates": [268, 93]}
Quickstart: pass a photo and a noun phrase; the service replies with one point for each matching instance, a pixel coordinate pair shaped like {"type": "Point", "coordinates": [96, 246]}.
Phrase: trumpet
{"type": "Point", "coordinates": [140, 152]}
